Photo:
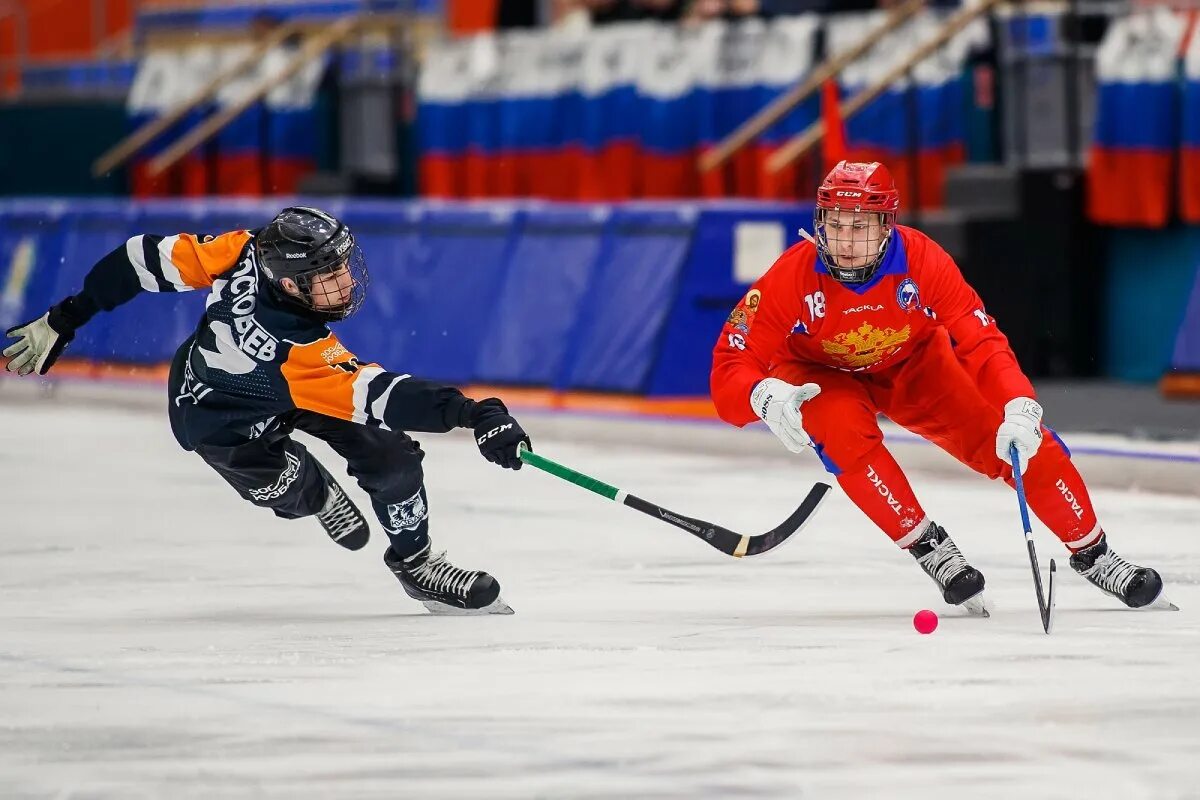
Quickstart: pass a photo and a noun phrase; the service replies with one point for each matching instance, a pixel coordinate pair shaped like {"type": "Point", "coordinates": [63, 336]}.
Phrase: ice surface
{"type": "Point", "coordinates": [160, 637]}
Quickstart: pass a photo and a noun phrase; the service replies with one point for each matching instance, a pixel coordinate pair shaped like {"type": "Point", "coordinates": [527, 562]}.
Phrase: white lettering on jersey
{"type": "Point", "coordinates": [237, 347]}
{"type": "Point", "coordinates": [983, 318]}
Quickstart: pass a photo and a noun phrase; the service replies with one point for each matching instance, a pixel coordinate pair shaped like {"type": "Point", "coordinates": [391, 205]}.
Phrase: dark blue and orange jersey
{"type": "Point", "coordinates": [253, 357]}
{"type": "Point", "coordinates": [798, 312]}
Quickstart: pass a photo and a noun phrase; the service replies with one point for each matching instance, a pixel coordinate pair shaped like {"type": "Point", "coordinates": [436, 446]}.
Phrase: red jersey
{"type": "Point", "coordinates": [798, 312]}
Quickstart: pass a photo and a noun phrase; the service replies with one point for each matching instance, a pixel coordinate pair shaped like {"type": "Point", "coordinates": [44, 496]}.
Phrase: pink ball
{"type": "Point", "coordinates": [925, 621]}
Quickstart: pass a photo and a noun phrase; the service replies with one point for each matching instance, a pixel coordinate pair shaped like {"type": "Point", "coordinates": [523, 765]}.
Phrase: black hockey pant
{"type": "Point", "coordinates": [276, 472]}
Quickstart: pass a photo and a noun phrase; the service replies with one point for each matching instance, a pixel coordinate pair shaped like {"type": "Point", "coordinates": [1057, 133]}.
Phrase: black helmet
{"type": "Point", "coordinates": [302, 244]}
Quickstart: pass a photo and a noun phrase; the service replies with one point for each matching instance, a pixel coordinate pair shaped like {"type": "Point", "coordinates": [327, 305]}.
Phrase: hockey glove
{"type": "Point", "coordinates": [1022, 426]}
{"type": "Point", "coordinates": [777, 403]}
{"type": "Point", "coordinates": [497, 433]}
{"type": "Point", "coordinates": [39, 342]}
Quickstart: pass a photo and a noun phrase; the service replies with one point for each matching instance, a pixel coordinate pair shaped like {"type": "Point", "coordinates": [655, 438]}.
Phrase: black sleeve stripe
{"type": "Point", "coordinates": [152, 263]}
{"type": "Point", "coordinates": [374, 390]}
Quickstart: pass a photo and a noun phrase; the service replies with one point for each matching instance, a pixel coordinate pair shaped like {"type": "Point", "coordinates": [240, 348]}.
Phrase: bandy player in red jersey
{"type": "Point", "coordinates": [874, 317]}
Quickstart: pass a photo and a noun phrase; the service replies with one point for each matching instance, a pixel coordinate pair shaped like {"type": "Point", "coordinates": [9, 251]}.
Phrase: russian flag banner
{"type": "Point", "coordinates": [915, 126]}
{"type": "Point", "coordinates": [675, 107]}
{"type": "Point", "coordinates": [523, 124]}
{"type": "Point", "coordinates": [623, 111]}
{"type": "Point", "coordinates": [785, 59]}
{"type": "Point", "coordinates": [612, 59]}
{"type": "Point", "coordinates": [148, 99]}
{"type": "Point", "coordinates": [555, 158]}
{"type": "Point", "coordinates": [241, 145]}
{"type": "Point", "coordinates": [1189, 154]}
{"type": "Point", "coordinates": [447, 112]}
{"type": "Point", "coordinates": [732, 80]}
{"type": "Point", "coordinates": [1137, 120]}
{"type": "Point", "coordinates": [164, 78]}
{"type": "Point", "coordinates": [292, 116]}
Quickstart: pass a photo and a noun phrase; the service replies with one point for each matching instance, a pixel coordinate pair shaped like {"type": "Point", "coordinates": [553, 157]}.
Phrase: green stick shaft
{"type": "Point", "coordinates": [566, 473]}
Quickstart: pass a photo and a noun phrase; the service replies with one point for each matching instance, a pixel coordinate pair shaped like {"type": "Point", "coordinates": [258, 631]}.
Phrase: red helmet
{"type": "Point", "coordinates": [859, 186]}
{"type": "Point", "coordinates": [854, 252]}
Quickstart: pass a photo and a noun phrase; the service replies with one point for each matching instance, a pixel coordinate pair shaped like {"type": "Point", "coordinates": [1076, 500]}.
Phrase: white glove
{"type": "Point", "coordinates": [1022, 426]}
{"type": "Point", "coordinates": [777, 403]}
{"type": "Point", "coordinates": [37, 347]}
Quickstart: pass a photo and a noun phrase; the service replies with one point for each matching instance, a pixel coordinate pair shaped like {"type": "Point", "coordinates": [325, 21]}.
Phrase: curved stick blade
{"type": "Point", "coordinates": [766, 542]}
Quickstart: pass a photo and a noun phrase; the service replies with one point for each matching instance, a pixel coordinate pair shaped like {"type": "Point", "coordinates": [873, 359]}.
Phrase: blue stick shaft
{"type": "Point", "coordinates": [1019, 483]}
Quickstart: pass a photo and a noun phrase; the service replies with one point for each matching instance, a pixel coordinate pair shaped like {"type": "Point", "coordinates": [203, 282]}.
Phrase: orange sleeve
{"type": "Point", "coordinates": [152, 263]}
{"type": "Point", "coordinates": [323, 376]}
{"type": "Point", "coordinates": [197, 263]}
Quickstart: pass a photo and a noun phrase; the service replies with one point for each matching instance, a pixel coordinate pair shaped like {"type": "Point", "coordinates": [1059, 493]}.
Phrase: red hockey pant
{"type": "Point", "coordinates": [931, 395]}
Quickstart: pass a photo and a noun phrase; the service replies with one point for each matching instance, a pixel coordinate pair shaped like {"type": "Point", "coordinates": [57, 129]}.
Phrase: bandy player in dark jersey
{"type": "Point", "coordinates": [263, 363]}
{"type": "Point", "coordinates": [874, 317]}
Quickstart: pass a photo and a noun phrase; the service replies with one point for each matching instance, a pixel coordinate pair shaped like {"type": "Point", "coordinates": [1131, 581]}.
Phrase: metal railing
{"type": "Point", "coordinates": [313, 47]}
{"type": "Point", "coordinates": [802, 142]}
{"type": "Point", "coordinates": [799, 146]}
{"type": "Point", "coordinates": [782, 105]}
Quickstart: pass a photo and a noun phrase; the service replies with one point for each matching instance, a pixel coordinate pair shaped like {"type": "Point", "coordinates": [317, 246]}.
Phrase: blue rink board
{"type": "Point", "coordinates": [621, 298]}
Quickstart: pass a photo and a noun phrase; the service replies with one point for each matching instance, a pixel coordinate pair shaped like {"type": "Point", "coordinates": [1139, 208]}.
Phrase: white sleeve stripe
{"type": "Point", "coordinates": [379, 407]}
{"type": "Point", "coordinates": [133, 250]}
{"type": "Point", "coordinates": [362, 384]}
{"type": "Point", "coordinates": [169, 270]}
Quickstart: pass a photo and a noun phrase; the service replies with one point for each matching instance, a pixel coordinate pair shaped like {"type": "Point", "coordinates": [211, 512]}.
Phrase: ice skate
{"type": "Point", "coordinates": [444, 588]}
{"type": "Point", "coordinates": [1136, 587]}
{"type": "Point", "coordinates": [342, 520]}
{"type": "Point", "coordinates": [960, 583]}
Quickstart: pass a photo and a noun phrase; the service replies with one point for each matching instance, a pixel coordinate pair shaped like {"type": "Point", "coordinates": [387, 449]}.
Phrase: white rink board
{"type": "Point", "coordinates": [160, 637]}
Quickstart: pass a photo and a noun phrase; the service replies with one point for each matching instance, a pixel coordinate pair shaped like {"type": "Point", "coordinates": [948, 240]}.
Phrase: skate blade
{"type": "Point", "coordinates": [976, 606]}
{"type": "Point", "coordinates": [1161, 604]}
{"type": "Point", "coordinates": [497, 606]}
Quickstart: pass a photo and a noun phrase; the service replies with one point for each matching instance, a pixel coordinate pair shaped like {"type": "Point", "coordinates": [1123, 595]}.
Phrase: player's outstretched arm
{"type": "Point", "coordinates": [144, 263]}
{"type": "Point", "coordinates": [323, 376]}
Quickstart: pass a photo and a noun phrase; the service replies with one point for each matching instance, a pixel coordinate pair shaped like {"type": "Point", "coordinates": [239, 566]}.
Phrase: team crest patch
{"type": "Point", "coordinates": [409, 514]}
{"type": "Point", "coordinates": [907, 294]}
{"type": "Point", "coordinates": [742, 317]}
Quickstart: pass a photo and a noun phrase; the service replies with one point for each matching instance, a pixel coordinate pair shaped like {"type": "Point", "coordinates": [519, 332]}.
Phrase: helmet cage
{"type": "Point", "coordinates": [316, 295]}
{"type": "Point", "coordinates": [834, 227]}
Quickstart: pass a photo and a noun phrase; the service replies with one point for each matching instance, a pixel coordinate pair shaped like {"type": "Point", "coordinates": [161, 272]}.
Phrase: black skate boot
{"type": "Point", "coordinates": [961, 584]}
{"type": "Point", "coordinates": [342, 520]}
{"type": "Point", "coordinates": [444, 588]}
{"type": "Point", "coordinates": [1136, 587]}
